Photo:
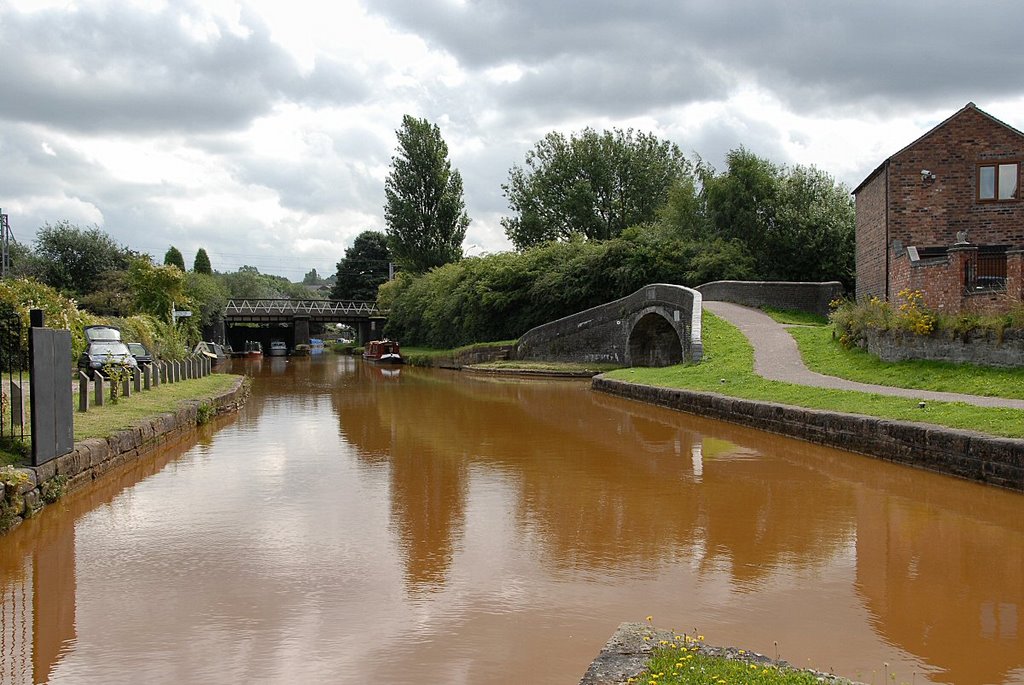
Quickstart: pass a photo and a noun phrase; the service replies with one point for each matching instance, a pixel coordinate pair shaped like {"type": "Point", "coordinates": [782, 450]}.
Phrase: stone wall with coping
{"type": "Point", "coordinates": [801, 296]}
{"type": "Point", "coordinates": [970, 455]}
{"type": "Point", "coordinates": [977, 347]}
{"type": "Point", "coordinates": [92, 458]}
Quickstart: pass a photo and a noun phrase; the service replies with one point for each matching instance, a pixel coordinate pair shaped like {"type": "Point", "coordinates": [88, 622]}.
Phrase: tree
{"type": "Point", "coordinates": [173, 257]}
{"type": "Point", "coordinates": [208, 295]}
{"type": "Point", "coordinates": [798, 224]}
{"type": "Point", "coordinates": [201, 265]}
{"type": "Point", "coordinates": [112, 295]}
{"type": "Point", "coordinates": [72, 259]}
{"type": "Point", "coordinates": [363, 268]}
{"type": "Point", "coordinates": [158, 289]}
{"type": "Point", "coordinates": [425, 214]}
{"type": "Point", "coordinates": [590, 184]}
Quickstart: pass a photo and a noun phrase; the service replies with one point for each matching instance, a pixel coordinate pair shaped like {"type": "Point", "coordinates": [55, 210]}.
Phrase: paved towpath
{"type": "Point", "coordinates": [777, 358]}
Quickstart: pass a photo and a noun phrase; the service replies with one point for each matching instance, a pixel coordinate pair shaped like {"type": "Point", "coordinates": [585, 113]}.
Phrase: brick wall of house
{"type": "Point", "coordinates": [938, 280]}
{"type": "Point", "coordinates": [871, 238]}
{"type": "Point", "coordinates": [928, 213]}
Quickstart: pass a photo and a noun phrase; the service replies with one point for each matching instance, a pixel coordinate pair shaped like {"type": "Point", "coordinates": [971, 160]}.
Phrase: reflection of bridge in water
{"type": "Point", "coordinates": [365, 317]}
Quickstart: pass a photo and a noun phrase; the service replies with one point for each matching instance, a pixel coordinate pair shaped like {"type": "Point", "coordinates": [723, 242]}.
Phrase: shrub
{"type": "Point", "coordinates": [24, 294]}
{"type": "Point", "coordinates": [852, 319]}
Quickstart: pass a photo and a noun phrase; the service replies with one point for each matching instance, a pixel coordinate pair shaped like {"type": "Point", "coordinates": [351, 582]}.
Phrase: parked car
{"type": "Point", "coordinates": [97, 333]}
{"type": "Point", "coordinates": [100, 353]}
{"type": "Point", "coordinates": [141, 354]}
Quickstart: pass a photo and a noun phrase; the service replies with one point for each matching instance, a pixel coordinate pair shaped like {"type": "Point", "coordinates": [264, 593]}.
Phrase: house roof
{"type": "Point", "coordinates": [965, 108]}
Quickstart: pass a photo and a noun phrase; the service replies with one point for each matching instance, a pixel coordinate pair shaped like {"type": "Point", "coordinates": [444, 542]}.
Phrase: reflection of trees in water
{"type": "Point", "coordinates": [951, 593]}
{"type": "Point", "coordinates": [602, 482]}
{"type": "Point", "coordinates": [598, 486]}
{"type": "Point", "coordinates": [940, 563]}
{"type": "Point", "coordinates": [37, 570]}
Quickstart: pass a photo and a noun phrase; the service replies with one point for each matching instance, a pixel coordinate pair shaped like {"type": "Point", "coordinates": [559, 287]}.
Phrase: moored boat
{"type": "Point", "coordinates": [278, 348]}
{"type": "Point", "coordinates": [253, 348]}
{"type": "Point", "coordinates": [215, 352]}
{"type": "Point", "coordinates": [384, 351]}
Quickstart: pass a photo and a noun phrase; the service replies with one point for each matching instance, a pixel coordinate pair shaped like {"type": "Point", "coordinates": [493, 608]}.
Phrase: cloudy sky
{"type": "Point", "coordinates": [263, 130]}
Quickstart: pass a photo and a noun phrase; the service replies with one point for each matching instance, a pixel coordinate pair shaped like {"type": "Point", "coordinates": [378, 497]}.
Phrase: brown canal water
{"type": "Point", "coordinates": [356, 524]}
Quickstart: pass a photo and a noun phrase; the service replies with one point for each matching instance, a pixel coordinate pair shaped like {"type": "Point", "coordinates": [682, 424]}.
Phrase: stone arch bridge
{"type": "Point", "coordinates": [658, 325]}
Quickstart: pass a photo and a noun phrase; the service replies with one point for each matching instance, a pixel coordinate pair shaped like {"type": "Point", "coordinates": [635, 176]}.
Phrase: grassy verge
{"type": "Point", "coordinates": [795, 317]}
{"type": "Point", "coordinates": [424, 356]}
{"type": "Point", "coordinates": [100, 422]}
{"type": "Point", "coordinates": [682, 665]}
{"type": "Point", "coordinates": [823, 354]}
{"type": "Point", "coordinates": [556, 367]}
{"type": "Point", "coordinates": [728, 369]}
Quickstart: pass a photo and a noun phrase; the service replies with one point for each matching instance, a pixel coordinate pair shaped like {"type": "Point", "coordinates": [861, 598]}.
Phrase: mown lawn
{"type": "Point", "coordinates": [823, 354]}
{"type": "Point", "coordinates": [100, 422]}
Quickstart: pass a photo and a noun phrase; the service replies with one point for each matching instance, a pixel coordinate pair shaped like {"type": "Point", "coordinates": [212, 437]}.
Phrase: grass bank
{"type": "Point", "coordinates": [99, 422]}
{"type": "Point", "coordinates": [684, 664]}
{"type": "Point", "coordinates": [428, 356]}
{"type": "Point", "coordinates": [728, 369]}
{"type": "Point", "coordinates": [823, 354]}
{"type": "Point", "coordinates": [553, 367]}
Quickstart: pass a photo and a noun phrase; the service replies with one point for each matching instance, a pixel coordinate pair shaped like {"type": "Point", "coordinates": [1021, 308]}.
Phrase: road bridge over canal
{"type": "Point", "coordinates": [365, 317]}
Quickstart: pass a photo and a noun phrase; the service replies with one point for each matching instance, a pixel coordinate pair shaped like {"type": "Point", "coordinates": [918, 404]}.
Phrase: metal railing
{"type": "Point", "coordinates": [265, 306]}
{"type": "Point", "coordinates": [987, 273]}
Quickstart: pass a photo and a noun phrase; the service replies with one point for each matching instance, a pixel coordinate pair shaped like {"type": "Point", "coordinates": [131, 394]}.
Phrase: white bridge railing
{"type": "Point", "coordinates": [270, 307]}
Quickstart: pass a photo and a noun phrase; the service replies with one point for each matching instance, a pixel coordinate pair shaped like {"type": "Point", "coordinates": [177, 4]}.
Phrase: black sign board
{"type": "Point", "coordinates": [50, 394]}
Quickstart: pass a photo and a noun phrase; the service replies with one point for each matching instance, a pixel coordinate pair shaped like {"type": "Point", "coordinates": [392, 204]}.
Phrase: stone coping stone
{"type": "Point", "coordinates": [536, 373]}
{"type": "Point", "coordinates": [627, 652]}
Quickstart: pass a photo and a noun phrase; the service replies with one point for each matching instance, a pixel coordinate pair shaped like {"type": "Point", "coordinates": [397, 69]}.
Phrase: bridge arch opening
{"type": "Point", "coordinates": [654, 342]}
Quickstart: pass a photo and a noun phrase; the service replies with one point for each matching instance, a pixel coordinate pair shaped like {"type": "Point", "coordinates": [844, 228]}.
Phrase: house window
{"type": "Point", "coordinates": [999, 182]}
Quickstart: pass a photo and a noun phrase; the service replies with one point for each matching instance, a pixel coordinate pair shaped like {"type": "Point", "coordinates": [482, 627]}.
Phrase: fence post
{"type": "Point", "coordinates": [147, 382]}
{"type": "Point", "coordinates": [97, 380]}
{"type": "Point", "coordinates": [126, 387]}
{"type": "Point", "coordinates": [17, 404]}
{"type": "Point", "coordinates": [137, 379]}
{"type": "Point", "coordinates": [83, 392]}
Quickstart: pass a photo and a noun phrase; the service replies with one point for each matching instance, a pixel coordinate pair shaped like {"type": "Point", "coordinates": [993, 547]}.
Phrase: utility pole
{"type": "Point", "coordinates": [5, 245]}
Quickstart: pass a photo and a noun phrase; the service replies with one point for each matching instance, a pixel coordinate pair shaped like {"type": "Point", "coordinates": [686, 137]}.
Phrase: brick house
{"type": "Point", "coordinates": [945, 216]}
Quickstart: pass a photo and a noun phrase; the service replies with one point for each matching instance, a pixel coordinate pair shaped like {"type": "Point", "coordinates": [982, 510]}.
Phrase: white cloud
{"type": "Point", "coordinates": [263, 130]}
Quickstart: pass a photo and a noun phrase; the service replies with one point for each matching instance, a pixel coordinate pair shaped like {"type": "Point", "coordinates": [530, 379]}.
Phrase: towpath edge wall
{"type": "Point", "coordinates": [94, 457]}
{"type": "Point", "coordinates": [970, 455]}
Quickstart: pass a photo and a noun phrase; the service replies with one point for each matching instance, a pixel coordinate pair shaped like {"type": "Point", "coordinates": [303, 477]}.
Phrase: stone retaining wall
{"type": "Point", "coordinates": [978, 457]}
{"type": "Point", "coordinates": [94, 457]}
{"type": "Point", "coordinates": [804, 297]}
{"type": "Point", "coordinates": [977, 347]}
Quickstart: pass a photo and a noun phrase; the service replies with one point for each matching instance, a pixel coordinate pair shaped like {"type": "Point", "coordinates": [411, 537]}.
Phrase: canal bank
{"type": "Point", "coordinates": [93, 457]}
{"type": "Point", "coordinates": [966, 454]}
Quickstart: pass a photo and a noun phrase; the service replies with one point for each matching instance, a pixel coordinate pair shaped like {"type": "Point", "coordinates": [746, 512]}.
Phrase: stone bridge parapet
{"type": "Point", "coordinates": [801, 296]}
{"type": "Point", "coordinates": [658, 325]}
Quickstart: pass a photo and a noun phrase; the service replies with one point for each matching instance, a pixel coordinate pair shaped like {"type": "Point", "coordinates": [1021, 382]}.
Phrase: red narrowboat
{"type": "Point", "coordinates": [384, 351]}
